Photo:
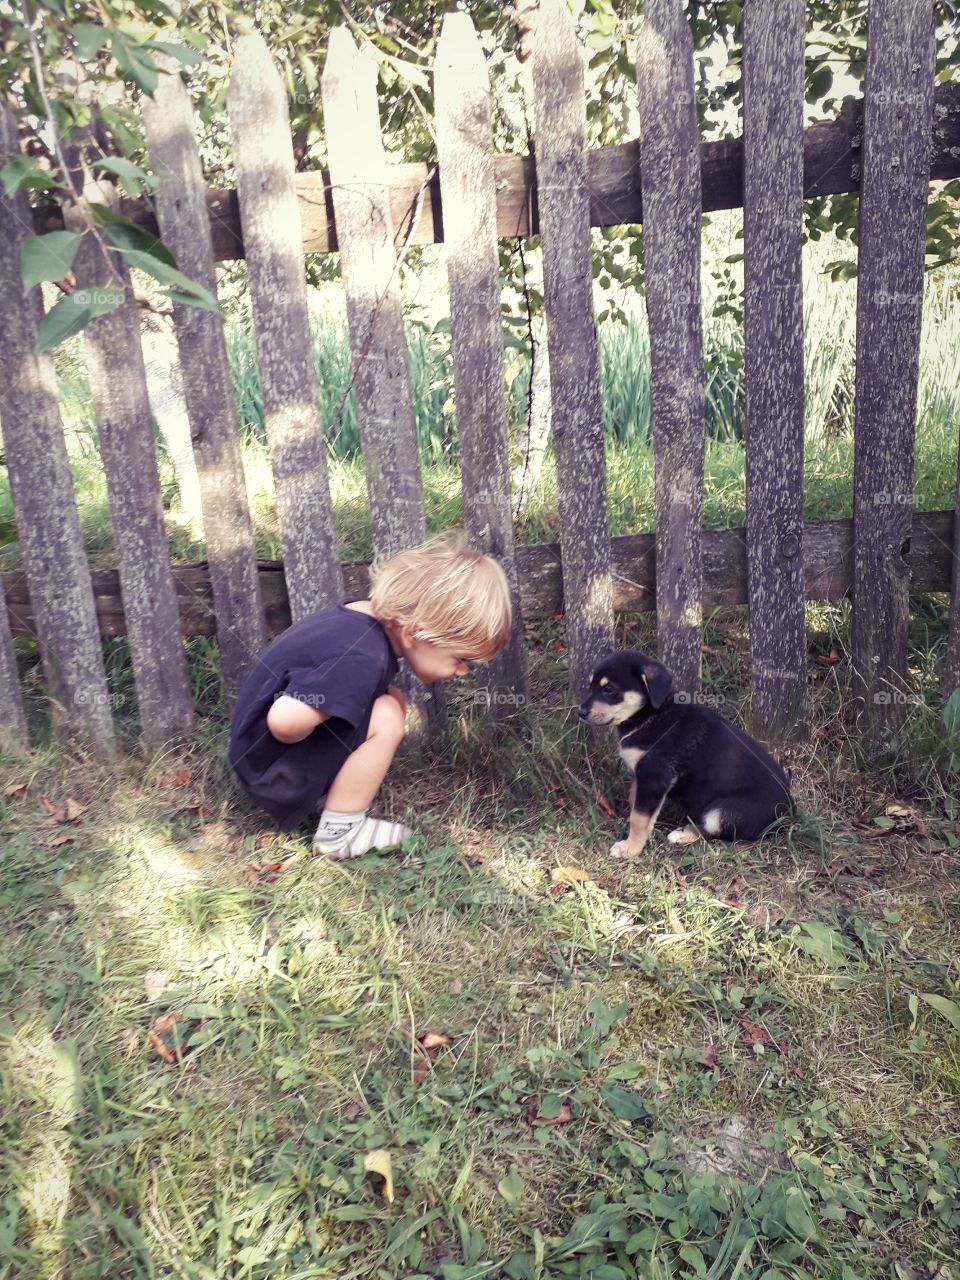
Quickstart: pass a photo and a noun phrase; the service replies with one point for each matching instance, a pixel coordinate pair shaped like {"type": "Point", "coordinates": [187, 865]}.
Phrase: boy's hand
{"type": "Point", "coordinates": [290, 720]}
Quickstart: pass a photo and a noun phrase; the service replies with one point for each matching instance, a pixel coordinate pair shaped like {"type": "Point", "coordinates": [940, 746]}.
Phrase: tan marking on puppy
{"type": "Point", "coordinates": [713, 822]}
{"type": "Point", "coordinates": [684, 835]}
{"type": "Point", "coordinates": [641, 828]}
{"type": "Point", "coordinates": [631, 756]}
{"type": "Point", "coordinates": [603, 713]}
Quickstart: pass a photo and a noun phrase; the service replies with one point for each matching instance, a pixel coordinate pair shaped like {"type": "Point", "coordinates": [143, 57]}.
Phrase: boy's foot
{"type": "Point", "coordinates": [350, 835]}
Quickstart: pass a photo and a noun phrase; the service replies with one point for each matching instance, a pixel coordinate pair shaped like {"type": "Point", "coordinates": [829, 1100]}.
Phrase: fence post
{"type": "Point", "coordinates": [371, 277]}
{"type": "Point", "coordinates": [672, 206]}
{"type": "Point", "coordinates": [272, 239]}
{"type": "Point", "coordinates": [48, 526]}
{"type": "Point", "coordinates": [898, 113]}
{"type": "Point", "coordinates": [563, 196]}
{"type": "Point", "coordinates": [773, 72]}
{"type": "Point", "coordinates": [208, 389]}
{"type": "Point", "coordinates": [465, 151]}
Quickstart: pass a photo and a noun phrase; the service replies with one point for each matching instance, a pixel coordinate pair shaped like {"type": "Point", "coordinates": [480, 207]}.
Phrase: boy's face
{"type": "Point", "coordinates": [430, 662]}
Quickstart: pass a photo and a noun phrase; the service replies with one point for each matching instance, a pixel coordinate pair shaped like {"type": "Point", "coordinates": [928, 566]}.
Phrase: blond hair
{"type": "Point", "coordinates": [446, 594]}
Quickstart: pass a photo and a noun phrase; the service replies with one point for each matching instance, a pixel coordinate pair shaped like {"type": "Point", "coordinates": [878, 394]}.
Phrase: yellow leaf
{"type": "Point", "coordinates": [379, 1162]}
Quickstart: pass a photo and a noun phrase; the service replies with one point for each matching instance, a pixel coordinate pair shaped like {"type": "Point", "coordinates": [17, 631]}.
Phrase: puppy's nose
{"type": "Point", "coordinates": [583, 710]}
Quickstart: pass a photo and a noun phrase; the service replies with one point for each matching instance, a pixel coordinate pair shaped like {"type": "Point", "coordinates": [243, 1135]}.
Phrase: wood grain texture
{"type": "Point", "coordinates": [560, 127]}
{"type": "Point", "coordinates": [207, 382]}
{"type": "Point", "coordinates": [41, 486]}
{"type": "Point", "coordinates": [670, 176]}
{"type": "Point", "coordinates": [266, 188]}
{"type": "Point", "coordinates": [121, 408]}
{"type": "Point", "coordinates": [773, 79]}
{"type": "Point", "coordinates": [832, 162]}
{"type": "Point", "coordinates": [465, 150]}
{"type": "Point", "coordinates": [828, 575]}
{"type": "Point", "coordinates": [893, 213]}
{"type": "Point", "coordinates": [371, 278]}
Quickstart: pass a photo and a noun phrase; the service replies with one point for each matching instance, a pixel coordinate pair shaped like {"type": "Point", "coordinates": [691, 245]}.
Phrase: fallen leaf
{"type": "Point", "coordinates": [847, 869]}
{"type": "Point", "coordinates": [352, 1110]}
{"type": "Point", "coordinates": [673, 922]}
{"type": "Point", "coordinates": [475, 859]}
{"type": "Point", "coordinates": [433, 1040]}
{"type": "Point", "coordinates": [163, 1036]}
{"type": "Point", "coordinates": [181, 778]}
{"type": "Point", "coordinates": [679, 879]}
{"type": "Point", "coordinates": [828, 659]}
{"type": "Point", "coordinates": [379, 1162]}
{"type": "Point", "coordinates": [48, 805]}
{"type": "Point", "coordinates": [16, 789]}
{"type": "Point", "coordinates": [563, 1116]}
{"type": "Point", "coordinates": [564, 878]}
{"type": "Point", "coordinates": [603, 803]}
{"type": "Point", "coordinates": [73, 811]}
{"type": "Point", "coordinates": [753, 1034]}
{"type": "Point", "coordinates": [734, 890]}
{"type": "Point", "coordinates": [154, 982]}
{"type": "Point", "coordinates": [57, 841]}
{"type": "Point", "coordinates": [706, 1055]}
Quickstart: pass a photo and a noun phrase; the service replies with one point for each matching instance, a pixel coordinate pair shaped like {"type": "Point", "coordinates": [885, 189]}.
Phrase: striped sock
{"type": "Point", "coordinates": [349, 835]}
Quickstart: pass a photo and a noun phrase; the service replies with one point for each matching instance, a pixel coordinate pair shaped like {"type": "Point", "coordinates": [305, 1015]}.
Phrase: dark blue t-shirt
{"type": "Point", "coordinates": [337, 661]}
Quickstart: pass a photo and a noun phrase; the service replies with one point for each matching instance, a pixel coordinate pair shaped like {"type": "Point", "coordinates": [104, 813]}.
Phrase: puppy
{"type": "Point", "coordinates": [726, 783]}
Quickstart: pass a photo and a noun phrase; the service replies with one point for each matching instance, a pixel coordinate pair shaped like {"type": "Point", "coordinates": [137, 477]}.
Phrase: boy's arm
{"type": "Point", "coordinates": [290, 720]}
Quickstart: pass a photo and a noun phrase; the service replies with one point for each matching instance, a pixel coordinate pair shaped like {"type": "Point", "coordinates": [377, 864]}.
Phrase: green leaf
{"type": "Point", "coordinates": [948, 1009]}
{"type": "Point", "coordinates": [48, 257]}
{"type": "Point", "coordinates": [90, 38]}
{"type": "Point", "coordinates": [186, 291]}
{"type": "Point", "coordinates": [125, 234]}
{"type": "Point", "coordinates": [511, 1187]}
{"type": "Point", "coordinates": [23, 172]}
{"type": "Point", "coordinates": [820, 940]}
{"type": "Point", "coordinates": [550, 1107]}
{"type": "Point", "coordinates": [134, 62]}
{"type": "Point", "coordinates": [73, 313]}
{"type": "Point", "coordinates": [132, 177]}
{"type": "Point", "coordinates": [623, 1103]}
{"type": "Point", "coordinates": [189, 57]}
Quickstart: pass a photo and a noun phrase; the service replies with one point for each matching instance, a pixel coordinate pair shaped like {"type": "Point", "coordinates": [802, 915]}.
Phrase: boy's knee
{"type": "Point", "coordinates": [388, 717]}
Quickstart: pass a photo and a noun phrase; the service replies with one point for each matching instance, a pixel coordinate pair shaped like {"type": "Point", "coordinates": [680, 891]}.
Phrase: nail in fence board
{"type": "Point", "coordinates": [371, 277]}
{"type": "Point", "coordinates": [670, 175]}
{"type": "Point", "coordinates": [465, 150]}
{"type": "Point", "coordinates": [773, 95]}
{"type": "Point", "coordinates": [48, 527]}
{"type": "Point", "coordinates": [272, 234]}
{"type": "Point", "coordinates": [560, 129]}
{"type": "Point", "coordinates": [207, 384]}
{"type": "Point", "coordinates": [121, 407]}
{"type": "Point", "coordinates": [893, 219]}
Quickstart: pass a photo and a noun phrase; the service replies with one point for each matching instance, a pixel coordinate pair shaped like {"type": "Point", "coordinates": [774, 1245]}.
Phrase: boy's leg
{"type": "Point", "coordinates": [345, 830]}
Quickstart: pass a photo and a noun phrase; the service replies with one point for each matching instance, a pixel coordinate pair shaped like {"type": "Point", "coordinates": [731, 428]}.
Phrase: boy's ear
{"type": "Point", "coordinates": [659, 683]}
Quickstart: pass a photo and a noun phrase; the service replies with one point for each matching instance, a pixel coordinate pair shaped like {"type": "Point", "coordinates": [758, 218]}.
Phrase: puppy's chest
{"type": "Point", "coordinates": [630, 753]}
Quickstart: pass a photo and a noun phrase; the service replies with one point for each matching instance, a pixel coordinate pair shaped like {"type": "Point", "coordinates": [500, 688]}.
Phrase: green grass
{"type": "Point", "coordinates": [757, 1082]}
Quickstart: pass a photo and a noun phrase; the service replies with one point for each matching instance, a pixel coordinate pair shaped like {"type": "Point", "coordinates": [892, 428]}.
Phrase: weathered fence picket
{"type": "Point", "coordinates": [371, 277]}
{"type": "Point", "coordinates": [208, 389]}
{"type": "Point", "coordinates": [560, 130]}
{"type": "Point", "coordinates": [773, 80]}
{"type": "Point", "coordinates": [263, 156]}
{"type": "Point", "coordinates": [670, 174]}
{"type": "Point", "coordinates": [51, 543]}
{"type": "Point", "coordinates": [893, 221]}
{"type": "Point", "coordinates": [465, 152]}
{"type": "Point", "coordinates": [121, 408]}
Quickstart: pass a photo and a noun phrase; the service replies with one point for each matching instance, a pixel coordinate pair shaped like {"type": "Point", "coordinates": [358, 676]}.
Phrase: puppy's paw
{"type": "Point", "coordinates": [684, 835]}
{"type": "Point", "coordinates": [624, 849]}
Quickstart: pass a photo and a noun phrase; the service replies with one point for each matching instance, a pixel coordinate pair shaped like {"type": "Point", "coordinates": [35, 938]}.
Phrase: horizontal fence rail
{"type": "Point", "coordinates": [828, 575]}
{"type": "Point", "coordinates": [832, 163]}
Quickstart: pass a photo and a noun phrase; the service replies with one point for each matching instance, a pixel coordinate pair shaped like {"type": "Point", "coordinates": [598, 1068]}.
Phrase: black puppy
{"type": "Point", "coordinates": [726, 783]}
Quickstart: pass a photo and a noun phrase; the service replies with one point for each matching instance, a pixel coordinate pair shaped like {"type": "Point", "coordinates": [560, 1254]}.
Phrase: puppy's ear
{"type": "Point", "coordinates": [659, 683]}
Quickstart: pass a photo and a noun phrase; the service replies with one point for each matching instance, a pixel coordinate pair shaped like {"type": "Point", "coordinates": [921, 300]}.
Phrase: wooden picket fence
{"type": "Point", "coordinates": [887, 147]}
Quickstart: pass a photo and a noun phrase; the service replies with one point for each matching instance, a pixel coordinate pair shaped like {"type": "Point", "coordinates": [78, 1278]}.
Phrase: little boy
{"type": "Point", "coordinates": [318, 720]}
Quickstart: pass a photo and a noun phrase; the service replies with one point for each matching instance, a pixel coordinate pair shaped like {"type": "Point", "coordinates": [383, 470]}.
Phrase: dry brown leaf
{"type": "Point", "coordinates": [564, 878]}
{"type": "Point", "coordinates": [828, 659]}
{"type": "Point", "coordinates": [164, 1038]}
{"type": "Point", "coordinates": [57, 841]}
{"type": "Point", "coordinates": [50, 807]}
{"type": "Point", "coordinates": [16, 789]}
{"type": "Point", "coordinates": [73, 811]}
{"type": "Point", "coordinates": [352, 1110]}
{"type": "Point", "coordinates": [733, 898]}
{"type": "Point", "coordinates": [562, 1117]}
{"type": "Point", "coordinates": [379, 1162]}
{"type": "Point", "coordinates": [154, 983]}
{"type": "Point", "coordinates": [754, 1034]}
{"type": "Point", "coordinates": [433, 1040]}
{"type": "Point", "coordinates": [604, 804]}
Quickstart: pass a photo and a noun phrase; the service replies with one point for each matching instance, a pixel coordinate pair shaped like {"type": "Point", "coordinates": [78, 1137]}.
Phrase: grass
{"type": "Point", "coordinates": [753, 1043]}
